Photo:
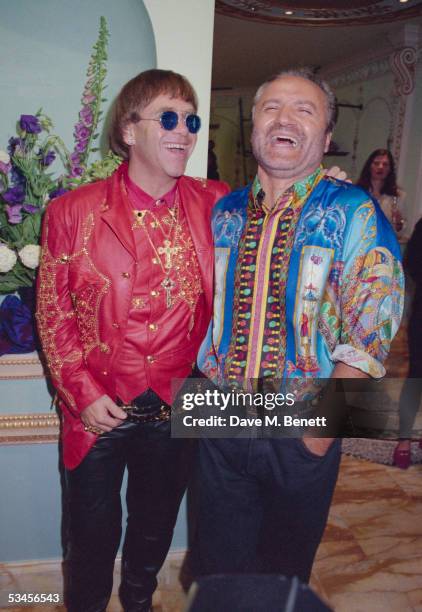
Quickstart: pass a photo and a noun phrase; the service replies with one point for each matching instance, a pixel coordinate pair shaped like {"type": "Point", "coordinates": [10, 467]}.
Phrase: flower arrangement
{"type": "Point", "coordinates": [27, 184]}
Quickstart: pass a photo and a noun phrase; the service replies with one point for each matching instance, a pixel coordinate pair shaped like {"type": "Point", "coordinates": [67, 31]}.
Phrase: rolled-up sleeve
{"type": "Point", "coordinates": [371, 292]}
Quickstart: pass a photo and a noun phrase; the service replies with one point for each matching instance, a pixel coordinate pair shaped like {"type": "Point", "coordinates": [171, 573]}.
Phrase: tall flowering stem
{"type": "Point", "coordinates": [27, 183]}
{"type": "Point", "coordinates": [85, 131]}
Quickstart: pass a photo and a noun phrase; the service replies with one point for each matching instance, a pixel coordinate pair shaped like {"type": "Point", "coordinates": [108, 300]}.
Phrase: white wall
{"type": "Point", "coordinates": [183, 32]}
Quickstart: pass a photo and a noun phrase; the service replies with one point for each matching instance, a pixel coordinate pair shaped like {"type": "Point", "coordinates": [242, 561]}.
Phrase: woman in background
{"type": "Point", "coordinates": [378, 176]}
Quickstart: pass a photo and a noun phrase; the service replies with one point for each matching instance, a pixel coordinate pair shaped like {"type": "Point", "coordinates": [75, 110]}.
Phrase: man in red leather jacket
{"type": "Point", "coordinates": [124, 301]}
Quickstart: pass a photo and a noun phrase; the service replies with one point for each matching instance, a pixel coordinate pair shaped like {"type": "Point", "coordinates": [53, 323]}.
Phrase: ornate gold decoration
{"type": "Point", "coordinates": [170, 246]}
{"type": "Point", "coordinates": [185, 284]}
{"type": "Point", "coordinates": [138, 302]}
{"type": "Point", "coordinates": [168, 251]}
{"type": "Point", "coordinates": [139, 218]}
{"type": "Point", "coordinates": [29, 428]}
{"type": "Point", "coordinates": [21, 367]}
{"type": "Point", "coordinates": [168, 285]}
{"type": "Point", "coordinates": [86, 303]}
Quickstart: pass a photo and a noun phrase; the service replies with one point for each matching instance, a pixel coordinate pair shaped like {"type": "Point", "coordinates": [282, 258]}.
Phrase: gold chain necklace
{"type": "Point", "coordinates": [170, 246]}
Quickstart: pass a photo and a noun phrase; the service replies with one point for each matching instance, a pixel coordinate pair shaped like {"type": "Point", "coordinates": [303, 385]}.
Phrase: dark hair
{"type": "Point", "coordinates": [137, 94]}
{"type": "Point", "coordinates": [309, 75]}
{"type": "Point", "coordinates": [390, 186]}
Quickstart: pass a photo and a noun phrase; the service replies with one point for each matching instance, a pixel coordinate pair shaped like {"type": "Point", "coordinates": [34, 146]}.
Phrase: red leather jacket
{"type": "Point", "coordinates": [85, 285]}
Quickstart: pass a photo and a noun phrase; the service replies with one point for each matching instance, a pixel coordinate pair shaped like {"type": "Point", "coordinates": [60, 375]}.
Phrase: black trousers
{"type": "Point", "coordinates": [263, 505]}
{"type": "Point", "coordinates": [158, 471]}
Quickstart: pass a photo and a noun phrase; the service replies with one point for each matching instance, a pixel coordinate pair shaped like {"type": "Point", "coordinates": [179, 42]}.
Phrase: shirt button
{"type": "Point", "coordinates": [153, 327]}
{"type": "Point", "coordinates": [150, 358]}
{"type": "Point", "coordinates": [154, 293]}
{"type": "Point", "coordinates": [125, 274]}
{"type": "Point", "coordinates": [116, 325]}
{"type": "Point", "coordinates": [104, 373]}
{"type": "Point", "coordinates": [154, 260]}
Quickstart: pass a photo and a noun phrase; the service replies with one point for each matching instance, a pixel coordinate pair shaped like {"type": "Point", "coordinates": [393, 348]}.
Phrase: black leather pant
{"type": "Point", "coordinates": [158, 471]}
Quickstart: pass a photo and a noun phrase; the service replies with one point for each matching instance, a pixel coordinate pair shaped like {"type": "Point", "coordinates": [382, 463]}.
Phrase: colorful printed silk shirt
{"type": "Point", "coordinates": [314, 281]}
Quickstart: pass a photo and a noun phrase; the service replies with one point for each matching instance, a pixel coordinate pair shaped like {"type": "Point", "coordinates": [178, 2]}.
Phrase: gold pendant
{"type": "Point", "coordinates": [167, 250]}
{"type": "Point", "coordinates": [168, 285]}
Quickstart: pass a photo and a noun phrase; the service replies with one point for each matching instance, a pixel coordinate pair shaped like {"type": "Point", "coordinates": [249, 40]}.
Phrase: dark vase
{"type": "Point", "coordinates": [28, 297]}
{"type": "Point", "coordinates": [18, 332]}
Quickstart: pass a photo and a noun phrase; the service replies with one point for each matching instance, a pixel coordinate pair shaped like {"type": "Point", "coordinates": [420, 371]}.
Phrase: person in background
{"type": "Point", "coordinates": [378, 176]}
{"type": "Point", "coordinates": [212, 171]}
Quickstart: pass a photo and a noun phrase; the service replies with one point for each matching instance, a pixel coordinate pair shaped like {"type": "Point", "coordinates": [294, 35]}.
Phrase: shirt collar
{"type": "Point", "coordinates": [141, 200]}
{"type": "Point", "coordinates": [300, 189]}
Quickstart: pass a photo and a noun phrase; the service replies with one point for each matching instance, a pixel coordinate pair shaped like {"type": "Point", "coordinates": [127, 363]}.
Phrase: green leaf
{"type": "Point", "coordinates": [30, 229]}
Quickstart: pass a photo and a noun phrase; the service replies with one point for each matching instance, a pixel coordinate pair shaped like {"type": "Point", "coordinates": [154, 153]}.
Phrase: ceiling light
{"type": "Point", "coordinates": [291, 12]}
{"type": "Point", "coordinates": [403, 1]}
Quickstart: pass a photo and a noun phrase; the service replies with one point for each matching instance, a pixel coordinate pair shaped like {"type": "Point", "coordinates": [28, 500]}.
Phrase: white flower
{"type": "Point", "coordinates": [30, 255]}
{"type": "Point", "coordinates": [4, 157]}
{"type": "Point", "coordinates": [7, 258]}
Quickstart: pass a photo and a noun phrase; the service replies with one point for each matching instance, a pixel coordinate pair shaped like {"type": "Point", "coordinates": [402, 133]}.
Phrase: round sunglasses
{"type": "Point", "coordinates": [170, 119]}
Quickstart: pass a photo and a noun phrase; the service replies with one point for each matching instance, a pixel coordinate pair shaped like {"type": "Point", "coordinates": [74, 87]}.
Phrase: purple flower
{"type": "Point", "coordinates": [57, 192]}
{"type": "Point", "coordinates": [77, 171]}
{"type": "Point", "coordinates": [14, 195]}
{"type": "Point", "coordinates": [75, 158]}
{"type": "Point", "coordinates": [14, 214]}
{"type": "Point", "coordinates": [88, 98]}
{"type": "Point", "coordinates": [47, 158]}
{"type": "Point", "coordinates": [81, 146]}
{"type": "Point", "coordinates": [14, 143]}
{"type": "Point", "coordinates": [30, 208]}
{"type": "Point", "coordinates": [17, 177]}
{"type": "Point", "coordinates": [5, 168]}
{"type": "Point", "coordinates": [30, 124]}
{"type": "Point", "coordinates": [86, 116]}
{"type": "Point", "coordinates": [81, 131]}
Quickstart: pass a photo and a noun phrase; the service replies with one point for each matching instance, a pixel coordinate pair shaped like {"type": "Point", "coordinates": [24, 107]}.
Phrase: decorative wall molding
{"type": "Point", "coordinates": [332, 13]}
{"type": "Point", "coordinates": [372, 64]}
{"type": "Point", "coordinates": [403, 64]}
{"type": "Point", "coordinates": [21, 366]}
{"type": "Point", "coordinates": [33, 428]}
{"type": "Point", "coordinates": [341, 77]}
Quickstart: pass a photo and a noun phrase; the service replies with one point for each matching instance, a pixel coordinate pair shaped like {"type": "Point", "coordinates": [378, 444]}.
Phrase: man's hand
{"type": "Point", "coordinates": [317, 446]}
{"type": "Point", "coordinates": [103, 415]}
{"type": "Point", "coordinates": [338, 173]}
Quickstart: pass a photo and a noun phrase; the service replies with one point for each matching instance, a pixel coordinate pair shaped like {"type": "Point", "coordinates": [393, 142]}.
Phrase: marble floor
{"type": "Point", "coordinates": [370, 558]}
